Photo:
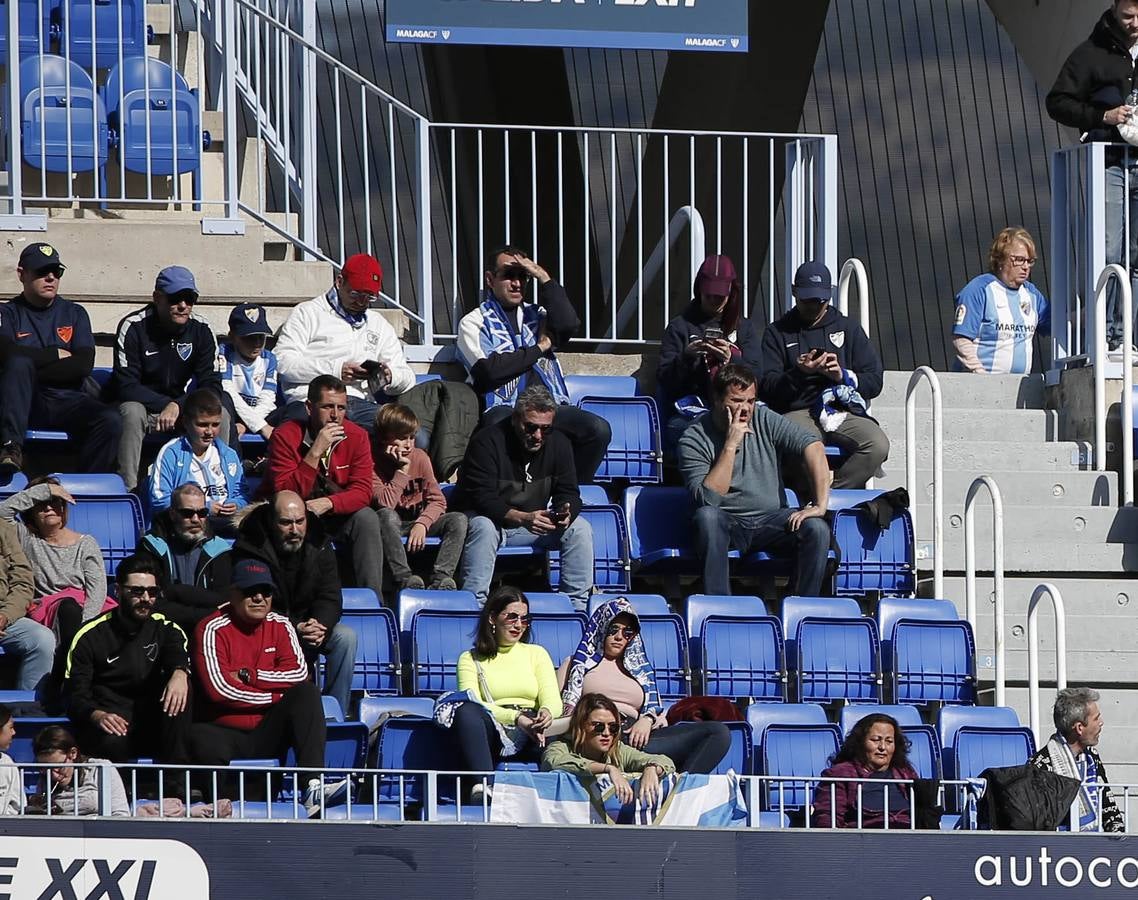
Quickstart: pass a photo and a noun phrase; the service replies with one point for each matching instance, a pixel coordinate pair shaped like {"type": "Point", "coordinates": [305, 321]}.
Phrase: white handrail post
{"type": "Point", "coordinates": [424, 274]}
{"type": "Point", "coordinates": [924, 372]}
{"type": "Point", "coordinates": [828, 200]}
{"type": "Point", "coordinates": [1115, 272]}
{"type": "Point", "coordinates": [1061, 283]}
{"type": "Point", "coordinates": [308, 148]}
{"type": "Point", "coordinates": [1052, 593]}
{"type": "Point", "coordinates": [986, 481]}
{"type": "Point", "coordinates": [15, 167]}
{"type": "Point", "coordinates": [854, 269]}
{"type": "Point", "coordinates": [231, 223]}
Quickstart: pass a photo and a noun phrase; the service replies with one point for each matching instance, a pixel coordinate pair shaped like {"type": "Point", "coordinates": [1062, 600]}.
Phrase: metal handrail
{"type": "Point", "coordinates": [1051, 592]}
{"type": "Point", "coordinates": [854, 269]}
{"type": "Point", "coordinates": [997, 568]}
{"type": "Point", "coordinates": [1116, 272]}
{"type": "Point", "coordinates": [938, 466]}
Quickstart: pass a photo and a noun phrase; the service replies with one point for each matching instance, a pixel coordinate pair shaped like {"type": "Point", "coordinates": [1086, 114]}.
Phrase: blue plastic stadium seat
{"type": "Point", "coordinates": [332, 711]}
{"type": "Point", "coordinates": [410, 602]}
{"type": "Point", "coordinates": [762, 715]}
{"type": "Point", "coordinates": [558, 633]}
{"type": "Point", "coordinates": [371, 708]}
{"type": "Point", "coordinates": [65, 94]}
{"type": "Point", "coordinates": [799, 751]}
{"type": "Point", "coordinates": [34, 30]}
{"type": "Point", "coordinates": [872, 560]}
{"type": "Point", "coordinates": [976, 749]}
{"type": "Point", "coordinates": [665, 643]}
{"type": "Point", "coordinates": [438, 637]}
{"type": "Point", "coordinates": [700, 606]}
{"type": "Point", "coordinates": [907, 716]}
{"type": "Point", "coordinates": [740, 755]}
{"type": "Point", "coordinates": [619, 386]}
{"type": "Point", "coordinates": [16, 481]}
{"type": "Point", "coordinates": [377, 668]}
{"type": "Point", "coordinates": [115, 522]}
{"type": "Point", "coordinates": [743, 657]}
{"type": "Point", "coordinates": [933, 662]}
{"type": "Point", "coordinates": [593, 495]}
{"type": "Point", "coordinates": [610, 550]}
{"type": "Point", "coordinates": [424, 377]}
{"type": "Point", "coordinates": [892, 609]}
{"type": "Point", "coordinates": [924, 751]}
{"type": "Point", "coordinates": [416, 744]}
{"type": "Point", "coordinates": [27, 727]}
{"type": "Point", "coordinates": [355, 599]}
{"type": "Point", "coordinates": [102, 18]}
{"type": "Point", "coordinates": [84, 483]}
{"type": "Point", "coordinates": [635, 451]}
{"type": "Point", "coordinates": [794, 609]}
{"type": "Point", "coordinates": [644, 604]}
{"type": "Point", "coordinates": [950, 719]}
{"type": "Point", "coordinates": [548, 602]}
{"type": "Point", "coordinates": [837, 659]}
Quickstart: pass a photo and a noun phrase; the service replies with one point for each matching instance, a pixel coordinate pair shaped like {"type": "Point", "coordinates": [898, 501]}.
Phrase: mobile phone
{"type": "Point", "coordinates": [713, 333]}
{"type": "Point", "coordinates": [370, 366]}
{"type": "Point", "coordinates": [563, 512]}
{"type": "Point", "coordinates": [816, 353]}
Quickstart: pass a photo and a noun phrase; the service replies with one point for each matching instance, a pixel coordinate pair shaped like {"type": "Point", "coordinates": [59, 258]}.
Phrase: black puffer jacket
{"type": "Point", "coordinates": [1026, 798]}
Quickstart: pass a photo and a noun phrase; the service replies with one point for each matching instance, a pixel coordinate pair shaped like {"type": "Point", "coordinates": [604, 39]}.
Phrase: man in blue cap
{"type": "Point", "coordinates": [46, 354]}
{"type": "Point", "coordinates": [820, 370]}
{"type": "Point", "coordinates": [162, 352]}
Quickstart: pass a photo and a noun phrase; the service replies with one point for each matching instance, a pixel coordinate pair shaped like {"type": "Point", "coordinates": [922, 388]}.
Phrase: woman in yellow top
{"type": "Point", "coordinates": [513, 681]}
{"type": "Point", "coordinates": [594, 747]}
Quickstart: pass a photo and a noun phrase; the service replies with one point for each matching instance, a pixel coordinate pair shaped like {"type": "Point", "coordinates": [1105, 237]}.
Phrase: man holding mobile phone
{"type": "Point", "coordinates": [819, 369]}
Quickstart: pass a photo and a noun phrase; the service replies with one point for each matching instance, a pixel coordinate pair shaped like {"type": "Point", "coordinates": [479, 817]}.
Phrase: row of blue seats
{"type": "Point", "coordinates": [93, 33]}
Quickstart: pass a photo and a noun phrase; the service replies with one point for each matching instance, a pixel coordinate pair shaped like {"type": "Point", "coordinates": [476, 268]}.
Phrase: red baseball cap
{"type": "Point", "coordinates": [363, 273]}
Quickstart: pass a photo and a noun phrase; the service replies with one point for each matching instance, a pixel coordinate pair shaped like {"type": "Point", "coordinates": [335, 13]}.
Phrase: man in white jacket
{"type": "Point", "coordinates": [339, 334]}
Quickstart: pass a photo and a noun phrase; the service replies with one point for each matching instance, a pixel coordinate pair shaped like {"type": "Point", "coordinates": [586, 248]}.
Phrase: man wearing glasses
{"type": "Point", "coordinates": [162, 351]}
{"type": "Point", "coordinates": [46, 353]}
{"type": "Point", "coordinates": [127, 676]}
{"type": "Point", "coordinates": [339, 334]}
{"type": "Point", "coordinates": [518, 485]}
{"type": "Point", "coordinates": [508, 344]}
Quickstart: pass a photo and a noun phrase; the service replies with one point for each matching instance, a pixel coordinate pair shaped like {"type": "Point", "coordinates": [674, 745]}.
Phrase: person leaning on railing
{"type": "Point", "coordinates": [74, 779]}
{"type": "Point", "coordinates": [877, 753]}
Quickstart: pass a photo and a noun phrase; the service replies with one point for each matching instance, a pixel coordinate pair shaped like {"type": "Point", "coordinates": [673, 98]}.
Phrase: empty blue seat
{"type": "Point", "coordinates": [659, 529]}
{"type": "Point", "coordinates": [27, 727]}
{"type": "Point", "coordinates": [740, 755]}
{"type": "Point", "coordinates": [976, 749]}
{"type": "Point", "coordinates": [836, 659]}
{"type": "Point", "coordinates": [907, 716]}
{"type": "Point", "coordinates": [665, 643]}
{"type": "Point", "coordinates": [743, 657]}
{"type": "Point", "coordinates": [409, 602]}
{"type": "Point", "coordinates": [83, 483]}
{"type": "Point", "coordinates": [558, 633]}
{"type": "Point", "coordinates": [933, 662]}
{"type": "Point", "coordinates": [99, 31]}
{"type": "Point", "coordinates": [63, 122]}
{"type": "Point", "coordinates": [346, 745]}
{"type": "Point", "coordinates": [10, 483]}
{"type": "Point", "coordinates": [635, 451]}
{"type": "Point", "coordinates": [580, 386]}
{"type": "Point", "coordinates": [644, 604]}
{"type": "Point", "coordinates": [115, 522]}
{"type": "Point", "coordinates": [951, 719]}
{"type": "Point", "coordinates": [924, 751]}
{"type": "Point", "coordinates": [377, 667]}
{"type": "Point", "coordinates": [412, 743]}
{"type": "Point", "coordinates": [798, 752]}
{"type": "Point", "coordinates": [438, 637]}
{"type": "Point", "coordinates": [332, 711]}
{"type": "Point", "coordinates": [761, 716]}
{"type": "Point", "coordinates": [355, 599]}
{"type": "Point", "coordinates": [873, 560]}
{"type": "Point", "coordinates": [794, 609]}
{"type": "Point", "coordinates": [371, 708]}
{"type": "Point", "coordinates": [700, 606]}
{"type": "Point", "coordinates": [593, 495]}
{"type": "Point", "coordinates": [891, 609]}
{"type": "Point", "coordinates": [549, 602]}
{"type": "Point", "coordinates": [34, 29]}
{"type": "Point", "coordinates": [610, 550]}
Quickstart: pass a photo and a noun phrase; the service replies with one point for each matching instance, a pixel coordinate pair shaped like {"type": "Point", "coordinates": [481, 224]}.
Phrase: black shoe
{"type": "Point", "coordinates": [11, 459]}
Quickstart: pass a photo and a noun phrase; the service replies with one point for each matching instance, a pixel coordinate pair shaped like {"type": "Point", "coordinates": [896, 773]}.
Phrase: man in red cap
{"type": "Point", "coordinates": [340, 334]}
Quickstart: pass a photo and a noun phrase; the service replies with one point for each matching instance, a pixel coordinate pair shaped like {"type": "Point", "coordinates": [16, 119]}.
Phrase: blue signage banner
{"type": "Point", "coordinates": [716, 25]}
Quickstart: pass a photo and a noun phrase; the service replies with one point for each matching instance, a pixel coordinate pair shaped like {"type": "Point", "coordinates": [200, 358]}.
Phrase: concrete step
{"type": "Point", "coordinates": [1045, 490]}
{"type": "Point", "coordinates": [961, 389]}
{"type": "Point", "coordinates": [976, 424]}
{"type": "Point", "coordinates": [985, 457]}
{"type": "Point", "coordinates": [1050, 555]}
{"type": "Point", "coordinates": [1082, 524]}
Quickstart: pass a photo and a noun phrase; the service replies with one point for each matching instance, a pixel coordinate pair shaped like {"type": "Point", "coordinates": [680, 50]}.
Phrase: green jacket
{"type": "Point", "coordinates": [559, 755]}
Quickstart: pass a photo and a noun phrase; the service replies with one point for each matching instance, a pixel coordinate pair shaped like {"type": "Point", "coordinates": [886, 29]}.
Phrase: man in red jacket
{"type": "Point", "coordinates": [327, 460]}
{"type": "Point", "coordinates": [256, 699]}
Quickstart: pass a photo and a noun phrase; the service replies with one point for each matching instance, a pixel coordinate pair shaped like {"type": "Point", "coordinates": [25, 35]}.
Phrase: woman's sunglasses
{"type": "Point", "coordinates": [599, 728]}
{"type": "Point", "coordinates": [514, 618]}
{"type": "Point", "coordinates": [627, 631]}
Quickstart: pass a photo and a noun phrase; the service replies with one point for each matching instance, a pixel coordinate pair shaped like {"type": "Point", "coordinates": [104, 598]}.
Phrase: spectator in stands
{"type": "Point", "coordinates": [594, 747]}
{"type": "Point", "coordinates": [1090, 95]}
{"type": "Point", "coordinates": [729, 461]}
{"type": "Point", "coordinates": [47, 352]}
{"type": "Point", "coordinates": [510, 686]}
{"type": "Point", "coordinates": [69, 577]}
{"type": "Point", "coordinates": [289, 539]}
{"type": "Point", "coordinates": [249, 371]}
{"type": "Point", "coordinates": [410, 502]}
{"type": "Point", "coordinates": [611, 660]}
{"type": "Point", "coordinates": [1071, 752]}
{"type": "Point", "coordinates": [11, 778]}
{"type": "Point", "coordinates": [256, 699]}
{"type": "Point", "coordinates": [710, 333]}
{"type": "Point", "coordinates": [997, 314]}
{"type": "Point", "coordinates": [77, 780]}
{"type": "Point", "coordinates": [820, 370]}
{"type": "Point", "coordinates": [508, 345]}
{"type": "Point", "coordinates": [195, 565]}
{"type": "Point", "coordinates": [876, 752]}
{"type": "Point", "coordinates": [28, 641]}
{"type": "Point", "coordinates": [128, 675]}
{"type": "Point", "coordinates": [339, 335]}
{"type": "Point", "coordinates": [326, 459]}
{"type": "Point", "coordinates": [161, 351]}
{"type": "Point", "coordinates": [200, 457]}
{"type": "Point", "coordinates": [514, 469]}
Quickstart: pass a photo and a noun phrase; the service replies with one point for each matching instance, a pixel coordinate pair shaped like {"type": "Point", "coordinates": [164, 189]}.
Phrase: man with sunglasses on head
{"type": "Point", "coordinates": [47, 352]}
{"type": "Point", "coordinates": [127, 677]}
{"type": "Point", "coordinates": [508, 343]}
{"type": "Point", "coordinates": [518, 485]}
{"type": "Point", "coordinates": [162, 352]}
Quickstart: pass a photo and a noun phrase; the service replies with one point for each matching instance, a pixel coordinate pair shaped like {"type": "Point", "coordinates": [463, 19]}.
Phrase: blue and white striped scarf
{"type": "Point", "coordinates": [513, 739]}
{"type": "Point", "coordinates": [499, 336]}
{"type": "Point", "coordinates": [1085, 769]}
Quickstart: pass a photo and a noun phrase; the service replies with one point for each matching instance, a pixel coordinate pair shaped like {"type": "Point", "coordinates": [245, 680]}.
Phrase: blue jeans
{"type": "Point", "coordinates": [34, 645]}
{"type": "Point", "coordinates": [339, 652]}
{"type": "Point", "coordinates": [483, 538]}
{"type": "Point", "coordinates": [1115, 188]}
{"type": "Point", "coordinates": [718, 532]}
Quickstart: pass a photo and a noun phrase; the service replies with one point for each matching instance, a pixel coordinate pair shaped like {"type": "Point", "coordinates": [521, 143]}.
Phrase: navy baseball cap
{"type": "Point", "coordinates": [250, 573]}
{"type": "Point", "coordinates": [247, 319]}
{"type": "Point", "coordinates": [812, 282]}
{"type": "Point", "coordinates": [39, 256]}
{"type": "Point", "coordinates": [175, 279]}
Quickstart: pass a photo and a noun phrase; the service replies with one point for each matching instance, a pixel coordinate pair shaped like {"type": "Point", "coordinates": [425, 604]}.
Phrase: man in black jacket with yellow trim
{"type": "Point", "coordinates": [127, 678]}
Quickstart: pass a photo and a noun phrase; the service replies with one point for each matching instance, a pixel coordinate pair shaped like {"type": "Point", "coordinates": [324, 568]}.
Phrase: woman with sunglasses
{"type": "Point", "coordinates": [512, 681]}
{"type": "Point", "coordinates": [594, 747]}
{"type": "Point", "coordinates": [611, 660]}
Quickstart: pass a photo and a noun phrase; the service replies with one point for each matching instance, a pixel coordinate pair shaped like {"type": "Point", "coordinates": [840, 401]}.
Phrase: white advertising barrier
{"type": "Point", "coordinates": [49, 867]}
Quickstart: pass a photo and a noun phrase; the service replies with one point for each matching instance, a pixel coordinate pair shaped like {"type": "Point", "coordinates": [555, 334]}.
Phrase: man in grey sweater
{"type": "Point", "coordinates": [729, 460]}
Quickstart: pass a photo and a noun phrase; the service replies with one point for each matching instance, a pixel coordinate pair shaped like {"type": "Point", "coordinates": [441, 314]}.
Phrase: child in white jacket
{"type": "Point", "coordinates": [11, 779]}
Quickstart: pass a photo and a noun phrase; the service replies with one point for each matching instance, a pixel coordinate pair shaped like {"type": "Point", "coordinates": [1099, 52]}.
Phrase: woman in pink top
{"type": "Point", "coordinates": [610, 660]}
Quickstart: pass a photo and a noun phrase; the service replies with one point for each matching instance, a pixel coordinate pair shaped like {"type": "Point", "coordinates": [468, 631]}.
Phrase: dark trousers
{"type": "Point", "coordinates": [589, 434]}
{"type": "Point", "coordinates": [478, 740]}
{"type": "Point", "coordinates": [693, 746]}
{"type": "Point", "coordinates": [295, 722]}
{"type": "Point", "coordinates": [152, 735]}
{"type": "Point", "coordinates": [24, 403]}
{"type": "Point", "coordinates": [451, 527]}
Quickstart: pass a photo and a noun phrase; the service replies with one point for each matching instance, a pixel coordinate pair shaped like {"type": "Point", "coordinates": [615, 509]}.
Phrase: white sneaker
{"type": "Point", "coordinates": [320, 796]}
{"type": "Point", "coordinates": [480, 791]}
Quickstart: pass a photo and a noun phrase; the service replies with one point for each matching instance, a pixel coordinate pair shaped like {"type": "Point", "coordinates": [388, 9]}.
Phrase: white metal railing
{"type": "Point", "coordinates": [1117, 274]}
{"type": "Point", "coordinates": [854, 270]}
{"type": "Point", "coordinates": [927, 374]}
{"type": "Point", "coordinates": [985, 481]}
{"type": "Point", "coordinates": [1052, 593]}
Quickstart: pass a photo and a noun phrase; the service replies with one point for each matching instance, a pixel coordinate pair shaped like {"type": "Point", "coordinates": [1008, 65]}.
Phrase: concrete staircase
{"type": "Point", "coordinates": [1062, 523]}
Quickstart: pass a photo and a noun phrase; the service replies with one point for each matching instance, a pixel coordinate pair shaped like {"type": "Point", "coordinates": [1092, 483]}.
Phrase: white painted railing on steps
{"type": "Point", "coordinates": [854, 270]}
{"type": "Point", "coordinates": [986, 481]}
{"type": "Point", "coordinates": [1052, 593]}
{"type": "Point", "coordinates": [916, 494]}
{"type": "Point", "coordinates": [1116, 273]}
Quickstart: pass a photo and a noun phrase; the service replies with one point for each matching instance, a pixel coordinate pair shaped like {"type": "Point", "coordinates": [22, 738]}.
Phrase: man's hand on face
{"type": "Point", "coordinates": [737, 427]}
{"type": "Point", "coordinates": [531, 267]}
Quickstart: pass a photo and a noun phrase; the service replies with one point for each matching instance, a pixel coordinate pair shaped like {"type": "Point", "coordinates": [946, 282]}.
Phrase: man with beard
{"type": "Point", "coordinates": [291, 541]}
{"type": "Point", "coordinates": [127, 677]}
